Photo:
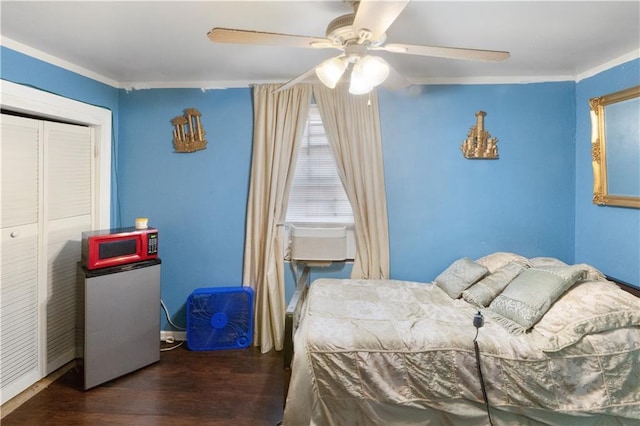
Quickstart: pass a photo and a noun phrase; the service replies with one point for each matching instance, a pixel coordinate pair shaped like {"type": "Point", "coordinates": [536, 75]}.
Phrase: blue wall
{"type": "Point", "coordinates": [606, 237]}
{"type": "Point", "coordinates": [197, 200]}
{"type": "Point", "coordinates": [443, 206]}
{"type": "Point", "coordinates": [534, 200]}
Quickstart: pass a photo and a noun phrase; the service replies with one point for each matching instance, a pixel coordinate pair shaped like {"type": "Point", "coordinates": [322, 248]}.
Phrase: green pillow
{"type": "Point", "coordinates": [526, 299]}
{"type": "Point", "coordinates": [460, 275]}
{"type": "Point", "coordinates": [485, 290]}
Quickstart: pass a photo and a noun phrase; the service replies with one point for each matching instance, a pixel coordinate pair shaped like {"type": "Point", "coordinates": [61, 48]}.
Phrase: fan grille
{"type": "Point", "coordinates": [219, 318]}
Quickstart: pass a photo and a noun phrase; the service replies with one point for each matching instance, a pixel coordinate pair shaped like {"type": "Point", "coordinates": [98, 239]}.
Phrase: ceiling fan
{"type": "Point", "coordinates": [355, 34]}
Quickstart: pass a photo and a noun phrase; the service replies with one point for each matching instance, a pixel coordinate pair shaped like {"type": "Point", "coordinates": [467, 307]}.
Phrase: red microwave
{"type": "Point", "coordinates": [113, 247]}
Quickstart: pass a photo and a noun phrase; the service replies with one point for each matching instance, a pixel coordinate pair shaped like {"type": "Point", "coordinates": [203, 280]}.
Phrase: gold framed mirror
{"type": "Point", "coordinates": [615, 148]}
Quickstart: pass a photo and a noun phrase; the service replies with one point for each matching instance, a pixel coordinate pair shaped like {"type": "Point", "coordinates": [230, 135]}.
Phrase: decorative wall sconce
{"type": "Point", "coordinates": [188, 134]}
{"type": "Point", "coordinates": [479, 143]}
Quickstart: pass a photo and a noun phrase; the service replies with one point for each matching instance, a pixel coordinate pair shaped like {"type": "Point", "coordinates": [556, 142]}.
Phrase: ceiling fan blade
{"type": "Point", "coordinates": [446, 52]}
{"type": "Point", "coordinates": [299, 79]}
{"type": "Point", "coordinates": [395, 80]}
{"type": "Point", "coordinates": [377, 16]}
{"type": "Point", "coordinates": [229, 35]}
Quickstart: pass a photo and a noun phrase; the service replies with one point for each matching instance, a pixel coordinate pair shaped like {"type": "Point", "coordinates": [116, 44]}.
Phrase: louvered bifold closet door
{"type": "Point", "coordinates": [20, 254]}
{"type": "Point", "coordinates": [68, 212]}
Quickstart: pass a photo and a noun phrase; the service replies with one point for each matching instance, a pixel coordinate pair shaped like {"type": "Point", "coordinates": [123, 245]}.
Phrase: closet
{"type": "Point", "coordinates": [47, 199]}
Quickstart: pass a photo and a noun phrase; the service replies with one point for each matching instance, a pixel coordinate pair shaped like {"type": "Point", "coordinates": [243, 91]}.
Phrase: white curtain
{"type": "Point", "coordinates": [352, 125]}
{"type": "Point", "coordinates": [279, 122]}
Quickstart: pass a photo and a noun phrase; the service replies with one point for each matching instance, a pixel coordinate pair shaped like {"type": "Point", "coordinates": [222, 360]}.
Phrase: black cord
{"type": "Point", "coordinates": [477, 322]}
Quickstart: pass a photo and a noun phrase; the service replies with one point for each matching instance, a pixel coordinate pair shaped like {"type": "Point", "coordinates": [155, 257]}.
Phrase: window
{"type": "Point", "coordinates": [317, 195]}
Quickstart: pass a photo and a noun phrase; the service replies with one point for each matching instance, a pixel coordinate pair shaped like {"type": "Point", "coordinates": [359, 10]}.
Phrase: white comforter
{"type": "Point", "coordinates": [393, 353]}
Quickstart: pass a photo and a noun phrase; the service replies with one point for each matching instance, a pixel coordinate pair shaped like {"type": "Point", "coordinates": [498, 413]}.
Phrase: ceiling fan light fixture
{"type": "Point", "coordinates": [330, 71]}
{"type": "Point", "coordinates": [358, 84]}
{"type": "Point", "coordinates": [375, 70]}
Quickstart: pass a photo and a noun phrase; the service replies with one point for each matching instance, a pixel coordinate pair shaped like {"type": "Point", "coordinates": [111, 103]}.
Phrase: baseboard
{"type": "Point", "coordinates": [173, 336]}
{"type": "Point", "coordinates": [15, 402]}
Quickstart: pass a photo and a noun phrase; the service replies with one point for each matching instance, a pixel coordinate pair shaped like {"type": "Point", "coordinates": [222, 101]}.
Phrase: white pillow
{"type": "Point", "coordinates": [587, 308]}
{"type": "Point", "coordinates": [499, 259]}
{"type": "Point", "coordinates": [537, 262]}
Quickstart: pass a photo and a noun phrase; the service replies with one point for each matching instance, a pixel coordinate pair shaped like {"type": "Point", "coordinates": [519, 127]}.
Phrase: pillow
{"type": "Point", "coordinates": [589, 307]}
{"type": "Point", "coordinates": [530, 295]}
{"type": "Point", "coordinates": [499, 259]}
{"type": "Point", "coordinates": [592, 273]}
{"type": "Point", "coordinates": [485, 290]}
{"type": "Point", "coordinates": [540, 262]}
{"type": "Point", "coordinates": [459, 276]}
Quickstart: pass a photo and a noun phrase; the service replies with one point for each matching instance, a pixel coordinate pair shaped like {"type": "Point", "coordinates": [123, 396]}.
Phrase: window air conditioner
{"type": "Point", "coordinates": [318, 244]}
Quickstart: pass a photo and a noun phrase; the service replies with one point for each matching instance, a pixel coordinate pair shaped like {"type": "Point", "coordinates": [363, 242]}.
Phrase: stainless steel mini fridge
{"type": "Point", "coordinates": [121, 312]}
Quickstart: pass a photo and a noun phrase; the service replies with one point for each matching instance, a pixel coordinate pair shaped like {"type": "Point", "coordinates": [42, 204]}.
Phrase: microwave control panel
{"type": "Point", "coordinates": [152, 243]}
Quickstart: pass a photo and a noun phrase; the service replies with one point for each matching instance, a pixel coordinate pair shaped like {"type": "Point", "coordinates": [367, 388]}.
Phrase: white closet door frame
{"type": "Point", "coordinates": [35, 102]}
{"type": "Point", "coordinates": [32, 101]}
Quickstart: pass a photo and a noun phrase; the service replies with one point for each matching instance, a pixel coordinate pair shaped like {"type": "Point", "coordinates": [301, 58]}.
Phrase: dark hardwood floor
{"type": "Point", "coordinates": [229, 387]}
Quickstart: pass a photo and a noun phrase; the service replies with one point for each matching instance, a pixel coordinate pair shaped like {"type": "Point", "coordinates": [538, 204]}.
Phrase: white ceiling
{"type": "Point", "coordinates": [142, 44]}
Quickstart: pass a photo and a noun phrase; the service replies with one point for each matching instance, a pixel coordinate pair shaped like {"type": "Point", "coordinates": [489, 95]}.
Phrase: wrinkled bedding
{"type": "Point", "coordinates": [394, 352]}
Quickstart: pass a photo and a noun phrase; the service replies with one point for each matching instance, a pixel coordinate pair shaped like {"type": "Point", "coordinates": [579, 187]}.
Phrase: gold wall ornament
{"type": "Point", "coordinates": [188, 134]}
{"type": "Point", "coordinates": [479, 143]}
{"type": "Point", "coordinates": [615, 148]}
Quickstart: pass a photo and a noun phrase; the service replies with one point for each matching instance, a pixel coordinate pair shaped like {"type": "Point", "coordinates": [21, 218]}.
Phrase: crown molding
{"type": "Point", "coordinates": [213, 85]}
{"type": "Point", "coordinates": [630, 56]}
{"type": "Point", "coordinates": [54, 60]}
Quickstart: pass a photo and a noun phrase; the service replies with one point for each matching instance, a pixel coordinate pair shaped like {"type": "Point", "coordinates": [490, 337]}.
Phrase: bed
{"type": "Point", "coordinates": [559, 344]}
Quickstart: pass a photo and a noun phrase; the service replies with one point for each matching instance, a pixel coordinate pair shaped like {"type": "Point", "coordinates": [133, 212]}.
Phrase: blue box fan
{"type": "Point", "coordinates": [220, 318]}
